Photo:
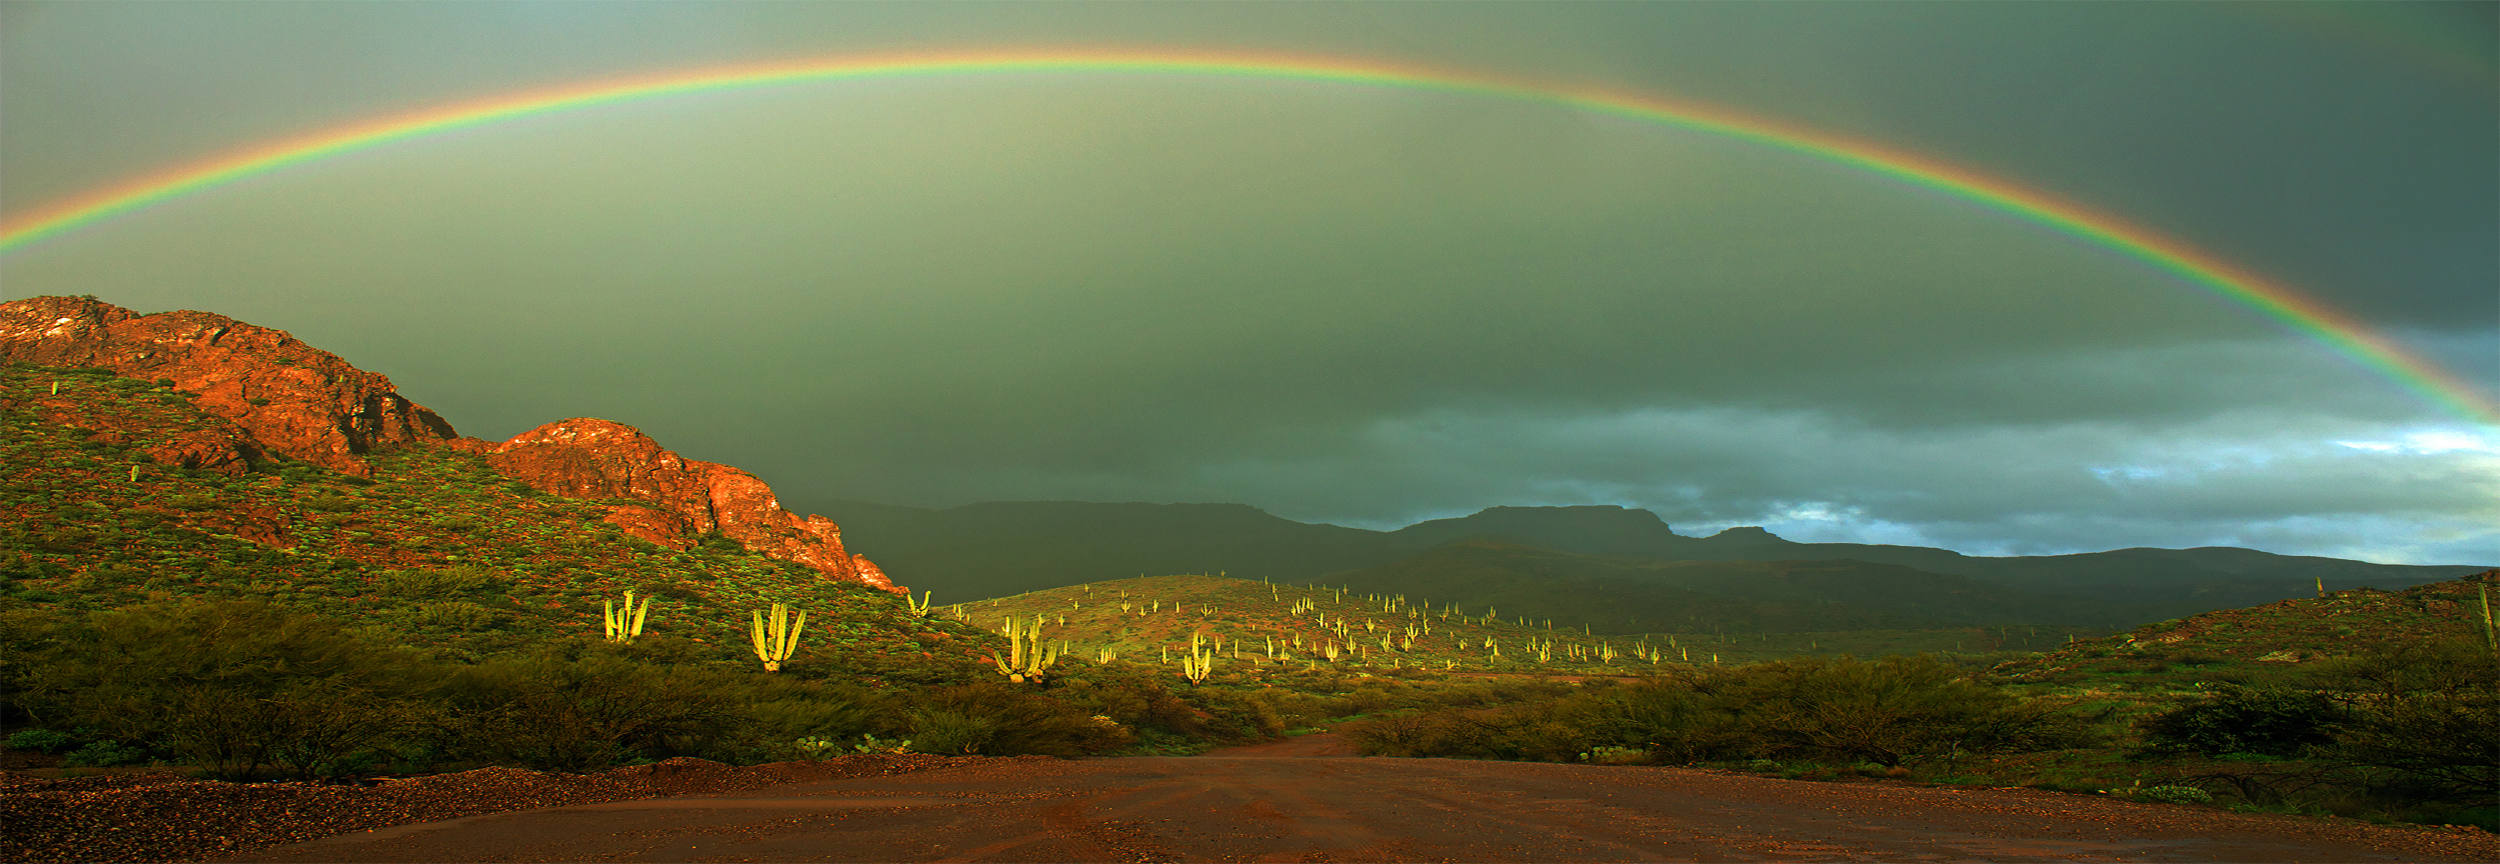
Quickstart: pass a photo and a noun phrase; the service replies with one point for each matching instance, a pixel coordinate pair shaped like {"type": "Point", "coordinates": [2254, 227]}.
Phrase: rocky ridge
{"type": "Point", "coordinates": [586, 457]}
{"type": "Point", "coordinates": [281, 397]}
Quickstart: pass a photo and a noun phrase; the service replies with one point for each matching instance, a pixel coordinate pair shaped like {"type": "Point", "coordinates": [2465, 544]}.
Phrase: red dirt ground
{"type": "Point", "coordinates": [1273, 802]}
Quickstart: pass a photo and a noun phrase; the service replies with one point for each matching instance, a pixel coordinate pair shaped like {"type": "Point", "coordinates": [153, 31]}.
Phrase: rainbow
{"type": "Point", "coordinates": [2202, 270]}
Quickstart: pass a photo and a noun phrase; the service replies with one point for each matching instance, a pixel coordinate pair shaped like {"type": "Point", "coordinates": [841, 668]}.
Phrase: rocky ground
{"type": "Point", "coordinates": [166, 817]}
{"type": "Point", "coordinates": [1273, 802]}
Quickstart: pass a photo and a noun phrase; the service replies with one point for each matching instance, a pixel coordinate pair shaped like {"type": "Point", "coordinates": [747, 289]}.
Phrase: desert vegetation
{"type": "Point", "coordinates": [279, 620]}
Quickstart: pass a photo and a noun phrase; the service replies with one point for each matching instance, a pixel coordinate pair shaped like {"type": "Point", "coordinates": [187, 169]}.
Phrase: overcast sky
{"type": "Point", "coordinates": [1353, 304]}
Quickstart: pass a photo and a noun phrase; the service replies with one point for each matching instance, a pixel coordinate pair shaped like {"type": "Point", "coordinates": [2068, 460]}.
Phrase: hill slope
{"type": "Point", "coordinates": [1001, 548]}
{"type": "Point", "coordinates": [1630, 595]}
{"type": "Point", "coordinates": [2253, 644]}
{"type": "Point", "coordinates": [118, 489]}
{"type": "Point", "coordinates": [1261, 629]}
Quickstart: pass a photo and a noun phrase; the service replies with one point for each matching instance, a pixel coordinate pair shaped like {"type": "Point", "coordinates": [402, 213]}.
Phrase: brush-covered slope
{"type": "Point", "coordinates": [432, 544]}
{"type": "Point", "coordinates": [122, 484]}
{"type": "Point", "coordinates": [1257, 628]}
{"type": "Point", "coordinates": [1627, 595]}
{"type": "Point", "coordinates": [2250, 645]}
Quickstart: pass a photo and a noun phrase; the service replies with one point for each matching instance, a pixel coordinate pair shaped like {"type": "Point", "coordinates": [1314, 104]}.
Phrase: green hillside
{"type": "Point", "coordinates": [1261, 628]}
{"type": "Point", "coordinates": [436, 549]}
{"type": "Point", "coordinates": [2278, 641]}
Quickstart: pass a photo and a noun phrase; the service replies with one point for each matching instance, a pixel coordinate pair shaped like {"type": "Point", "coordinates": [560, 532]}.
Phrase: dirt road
{"type": "Point", "coordinates": [1282, 804]}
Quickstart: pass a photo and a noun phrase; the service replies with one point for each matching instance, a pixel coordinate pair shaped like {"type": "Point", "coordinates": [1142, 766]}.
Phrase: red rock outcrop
{"type": "Point", "coordinates": [294, 399]}
{"type": "Point", "coordinates": [591, 458]}
{"type": "Point", "coordinates": [218, 445]}
{"type": "Point", "coordinates": [285, 397]}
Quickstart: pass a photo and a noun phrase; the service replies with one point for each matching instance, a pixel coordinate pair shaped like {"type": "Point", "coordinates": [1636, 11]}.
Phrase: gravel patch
{"type": "Point", "coordinates": [166, 817]}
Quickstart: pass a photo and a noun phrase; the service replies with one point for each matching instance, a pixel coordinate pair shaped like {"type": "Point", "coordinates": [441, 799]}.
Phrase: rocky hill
{"type": "Point", "coordinates": [262, 394]}
{"type": "Point", "coordinates": [293, 479]}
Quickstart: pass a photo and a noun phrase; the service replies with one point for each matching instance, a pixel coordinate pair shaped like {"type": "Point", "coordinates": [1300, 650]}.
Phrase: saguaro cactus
{"type": "Point", "coordinates": [624, 625]}
{"type": "Point", "coordinates": [777, 643]}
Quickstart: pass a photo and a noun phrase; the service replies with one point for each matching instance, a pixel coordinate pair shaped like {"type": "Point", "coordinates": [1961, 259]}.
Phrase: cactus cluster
{"type": "Point", "coordinates": [776, 643]}
{"type": "Point", "coordinates": [1200, 661]}
{"type": "Point", "coordinates": [1027, 656]}
{"type": "Point", "coordinates": [625, 625]}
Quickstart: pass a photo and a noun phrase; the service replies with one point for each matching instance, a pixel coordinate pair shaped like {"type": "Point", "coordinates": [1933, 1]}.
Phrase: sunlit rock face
{"type": "Point", "coordinates": [293, 399]}
{"type": "Point", "coordinates": [287, 398]}
{"type": "Point", "coordinates": [600, 459]}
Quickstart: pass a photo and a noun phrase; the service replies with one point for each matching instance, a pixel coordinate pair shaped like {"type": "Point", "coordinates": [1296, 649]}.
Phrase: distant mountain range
{"type": "Point", "coordinates": [1534, 559]}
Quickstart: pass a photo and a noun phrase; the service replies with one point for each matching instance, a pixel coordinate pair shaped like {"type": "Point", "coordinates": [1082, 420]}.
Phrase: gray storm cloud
{"type": "Point", "coordinates": [1354, 304]}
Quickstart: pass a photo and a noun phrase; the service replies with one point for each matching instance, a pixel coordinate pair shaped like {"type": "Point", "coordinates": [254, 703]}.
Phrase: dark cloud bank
{"type": "Point", "coordinates": [1361, 306]}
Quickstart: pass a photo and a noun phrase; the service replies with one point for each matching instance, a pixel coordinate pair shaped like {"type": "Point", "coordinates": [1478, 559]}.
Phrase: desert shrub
{"type": "Point", "coordinates": [1298, 710]}
{"type": "Point", "coordinates": [456, 614]}
{"type": "Point", "coordinates": [950, 733]}
{"type": "Point", "coordinates": [1161, 704]}
{"type": "Point", "coordinates": [1021, 721]}
{"type": "Point", "coordinates": [322, 728]}
{"type": "Point", "coordinates": [772, 712]}
{"type": "Point", "coordinates": [2272, 722]}
{"type": "Point", "coordinates": [222, 685]}
{"type": "Point", "coordinates": [1837, 711]}
{"type": "Point", "coordinates": [2175, 795]}
{"type": "Point", "coordinates": [2431, 711]}
{"type": "Point", "coordinates": [330, 502]}
{"type": "Point", "coordinates": [1534, 731]}
{"type": "Point", "coordinates": [105, 754]}
{"type": "Point", "coordinates": [576, 714]}
{"type": "Point", "coordinates": [38, 740]}
{"type": "Point", "coordinates": [446, 582]}
{"type": "Point", "coordinates": [456, 524]}
{"type": "Point", "coordinates": [1886, 711]}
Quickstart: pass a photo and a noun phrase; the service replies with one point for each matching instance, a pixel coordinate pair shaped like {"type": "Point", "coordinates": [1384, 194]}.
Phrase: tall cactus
{"type": "Point", "coordinates": [919, 607]}
{"type": "Point", "coordinates": [625, 625]}
{"type": "Point", "coordinates": [1196, 665]}
{"type": "Point", "coordinates": [1026, 656]}
{"type": "Point", "coordinates": [2491, 637]}
{"type": "Point", "coordinates": [777, 643]}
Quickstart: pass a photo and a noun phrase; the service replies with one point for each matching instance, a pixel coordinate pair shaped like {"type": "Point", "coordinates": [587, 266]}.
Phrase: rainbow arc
{"type": "Point", "coordinates": [2191, 266]}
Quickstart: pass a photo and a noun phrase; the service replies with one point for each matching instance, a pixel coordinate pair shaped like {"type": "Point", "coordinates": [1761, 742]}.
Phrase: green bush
{"type": "Point", "coordinates": [1837, 711]}
{"type": "Point", "coordinates": [330, 502]}
{"type": "Point", "coordinates": [457, 615]}
{"type": "Point", "coordinates": [1020, 722]}
{"type": "Point", "coordinates": [446, 582]}
{"type": "Point", "coordinates": [105, 754]}
{"type": "Point", "coordinates": [2272, 722]}
{"type": "Point", "coordinates": [216, 684]}
{"type": "Point", "coordinates": [578, 714]}
{"type": "Point", "coordinates": [2175, 795]}
{"type": "Point", "coordinates": [950, 733]}
{"type": "Point", "coordinates": [2430, 711]}
{"type": "Point", "coordinates": [38, 740]}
